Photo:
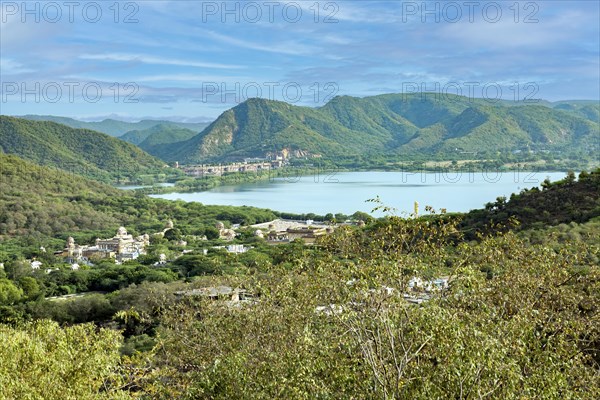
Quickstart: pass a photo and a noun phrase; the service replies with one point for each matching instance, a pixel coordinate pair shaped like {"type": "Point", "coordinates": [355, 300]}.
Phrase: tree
{"type": "Point", "coordinates": [9, 293]}
{"type": "Point", "coordinates": [41, 360]}
{"type": "Point", "coordinates": [31, 287]}
{"type": "Point", "coordinates": [172, 234]}
{"type": "Point", "coordinates": [211, 232]}
{"type": "Point", "coordinates": [17, 269]}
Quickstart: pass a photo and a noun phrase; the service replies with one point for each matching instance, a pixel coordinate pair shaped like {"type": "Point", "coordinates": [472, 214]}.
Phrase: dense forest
{"type": "Point", "coordinates": [519, 317]}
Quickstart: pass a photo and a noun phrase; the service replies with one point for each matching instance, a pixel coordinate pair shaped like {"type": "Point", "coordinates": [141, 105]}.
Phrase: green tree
{"type": "Point", "coordinates": [41, 360]}
{"type": "Point", "coordinates": [31, 288]}
{"type": "Point", "coordinates": [9, 293]}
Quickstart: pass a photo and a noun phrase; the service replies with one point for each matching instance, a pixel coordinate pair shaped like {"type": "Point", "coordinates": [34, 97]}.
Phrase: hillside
{"type": "Point", "coordinates": [80, 151]}
{"type": "Point", "coordinates": [561, 202]}
{"type": "Point", "coordinates": [114, 127]}
{"type": "Point", "coordinates": [41, 202]}
{"type": "Point", "coordinates": [585, 109]}
{"type": "Point", "coordinates": [397, 124]}
{"type": "Point", "coordinates": [151, 140]}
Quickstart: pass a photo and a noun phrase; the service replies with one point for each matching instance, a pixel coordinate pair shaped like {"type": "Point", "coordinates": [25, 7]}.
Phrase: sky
{"type": "Point", "coordinates": [192, 60]}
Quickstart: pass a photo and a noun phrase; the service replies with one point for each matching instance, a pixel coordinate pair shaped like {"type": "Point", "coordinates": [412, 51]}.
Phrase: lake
{"type": "Point", "coordinates": [347, 192]}
{"type": "Point", "coordinates": [134, 187]}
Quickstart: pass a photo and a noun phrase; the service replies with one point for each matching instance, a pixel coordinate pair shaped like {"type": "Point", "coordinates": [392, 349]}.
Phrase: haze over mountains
{"type": "Point", "coordinates": [115, 127]}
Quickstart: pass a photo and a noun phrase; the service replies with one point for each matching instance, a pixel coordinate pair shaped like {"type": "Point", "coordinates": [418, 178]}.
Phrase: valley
{"type": "Point", "coordinates": [294, 220]}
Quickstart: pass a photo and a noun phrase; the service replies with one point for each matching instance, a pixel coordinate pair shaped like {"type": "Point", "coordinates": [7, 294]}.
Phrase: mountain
{"type": "Point", "coordinates": [397, 124]}
{"type": "Point", "coordinates": [158, 135]}
{"type": "Point", "coordinates": [114, 127]}
{"type": "Point", "coordinates": [80, 151]}
{"type": "Point", "coordinates": [585, 109]}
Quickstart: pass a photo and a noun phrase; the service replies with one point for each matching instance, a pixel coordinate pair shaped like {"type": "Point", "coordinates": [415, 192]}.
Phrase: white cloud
{"type": "Point", "coordinates": [291, 48]}
{"type": "Point", "coordinates": [155, 60]}
{"type": "Point", "coordinates": [11, 67]}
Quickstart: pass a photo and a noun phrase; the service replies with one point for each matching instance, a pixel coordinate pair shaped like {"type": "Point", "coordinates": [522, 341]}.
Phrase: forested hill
{"type": "Point", "coordinates": [114, 127]}
{"type": "Point", "coordinates": [152, 140]}
{"type": "Point", "coordinates": [38, 202]}
{"type": "Point", "coordinates": [81, 151]}
{"type": "Point", "coordinates": [565, 201]}
{"type": "Point", "coordinates": [393, 124]}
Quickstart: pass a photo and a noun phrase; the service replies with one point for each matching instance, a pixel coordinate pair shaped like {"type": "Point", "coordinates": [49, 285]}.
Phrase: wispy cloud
{"type": "Point", "coordinates": [290, 47]}
{"type": "Point", "coordinates": [146, 59]}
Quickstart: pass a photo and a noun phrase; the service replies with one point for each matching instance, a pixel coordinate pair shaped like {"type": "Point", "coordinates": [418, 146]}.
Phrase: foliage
{"type": "Point", "coordinates": [41, 360]}
{"type": "Point", "coordinates": [78, 151]}
{"type": "Point", "coordinates": [114, 127]}
{"type": "Point", "coordinates": [405, 124]}
{"type": "Point", "coordinates": [9, 292]}
{"type": "Point", "coordinates": [530, 329]}
{"type": "Point", "coordinates": [565, 201]}
{"type": "Point", "coordinates": [86, 209]}
{"type": "Point", "coordinates": [152, 140]}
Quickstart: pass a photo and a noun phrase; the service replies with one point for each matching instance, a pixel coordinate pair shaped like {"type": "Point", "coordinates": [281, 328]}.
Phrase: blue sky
{"type": "Point", "coordinates": [172, 59]}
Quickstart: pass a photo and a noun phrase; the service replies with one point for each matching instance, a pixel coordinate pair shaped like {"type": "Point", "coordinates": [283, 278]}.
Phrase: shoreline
{"type": "Point", "coordinates": [205, 183]}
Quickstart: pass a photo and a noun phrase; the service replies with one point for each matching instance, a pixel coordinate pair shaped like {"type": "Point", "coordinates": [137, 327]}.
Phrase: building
{"type": "Point", "coordinates": [217, 293]}
{"type": "Point", "coordinates": [282, 231]}
{"type": "Point", "coordinates": [122, 247]}
{"type": "Point", "coordinates": [237, 248]}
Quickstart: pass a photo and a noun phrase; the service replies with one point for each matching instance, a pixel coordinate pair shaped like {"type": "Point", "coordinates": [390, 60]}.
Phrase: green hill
{"type": "Point", "coordinates": [38, 202]}
{"type": "Point", "coordinates": [391, 124]}
{"type": "Point", "coordinates": [585, 109]}
{"type": "Point", "coordinates": [80, 151]}
{"type": "Point", "coordinates": [152, 140]}
{"type": "Point", "coordinates": [114, 127]}
{"type": "Point", "coordinates": [562, 202]}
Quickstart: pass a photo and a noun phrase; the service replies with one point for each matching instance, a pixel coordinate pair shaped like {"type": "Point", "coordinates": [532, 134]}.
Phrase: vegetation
{"type": "Point", "coordinates": [38, 204]}
{"type": "Point", "coordinates": [518, 319]}
{"type": "Point", "coordinates": [79, 151]}
{"type": "Point", "coordinates": [562, 202]}
{"type": "Point", "coordinates": [395, 124]}
{"type": "Point", "coordinates": [41, 360]}
{"type": "Point", "coordinates": [114, 127]}
{"type": "Point", "coordinates": [333, 324]}
{"type": "Point", "coordinates": [159, 134]}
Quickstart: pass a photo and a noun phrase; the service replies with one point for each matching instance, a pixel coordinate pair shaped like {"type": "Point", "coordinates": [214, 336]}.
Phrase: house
{"type": "Point", "coordinates": [308, 234]}
{"type": "Point", "coordinates": [278, 237]}
{"type": "Point", "coordinates": [35, 265]}
{"type": "Point", "coordinates": [217, 293]}
{"type": "Point", "coordinates": [237, 248]}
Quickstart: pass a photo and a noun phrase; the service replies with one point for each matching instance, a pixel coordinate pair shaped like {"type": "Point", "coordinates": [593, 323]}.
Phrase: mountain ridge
{"type": "Point", "coordinates": [111, 126]}
{"type": "Point", "coordinates": [395, 124]}
{"type": "Point", "coordinates": [80, 151]}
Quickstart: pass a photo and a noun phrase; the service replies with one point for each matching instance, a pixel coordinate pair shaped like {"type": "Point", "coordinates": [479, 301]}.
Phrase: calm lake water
{"type": "Point", "coordinates": [133, 187]}
{"type": "Point", "coordinates": [346, 192]}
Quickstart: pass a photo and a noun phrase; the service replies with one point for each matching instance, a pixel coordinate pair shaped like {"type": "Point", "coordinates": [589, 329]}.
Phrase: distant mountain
{"type": "Point", "coordinates": [392, 124]}
{"type": "Point", "coordinates": [585, 109]}
{"type": "Point", "coordinates": [80, 151]}
{"type": "Point", "coordinates": [114, 127]}
{"type": "Point", "coordinates": [159, 134]}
